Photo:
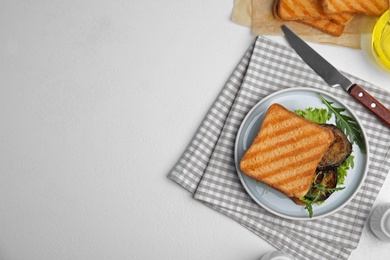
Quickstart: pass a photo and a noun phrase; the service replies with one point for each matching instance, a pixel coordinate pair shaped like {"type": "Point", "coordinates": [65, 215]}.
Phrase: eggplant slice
{"type": "Point", "coordinates": [338, 151]}
{"type": "Point", "coordinates": [326, 178]}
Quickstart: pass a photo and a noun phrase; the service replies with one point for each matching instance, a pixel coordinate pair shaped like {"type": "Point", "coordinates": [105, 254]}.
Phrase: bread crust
{"type": "Point", "coordinates": [286, 151]}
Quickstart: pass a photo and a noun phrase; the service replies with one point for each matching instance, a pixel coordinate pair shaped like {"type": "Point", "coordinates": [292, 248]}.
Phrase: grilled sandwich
{"type": "Point", "coordinates": [366, 7]}
{"type": "Point", "coordinates": [294, 10]}
{"type": "Point", "coordinates": [324, 24]}
{"type": "Point", "coordinates": [286, 152]}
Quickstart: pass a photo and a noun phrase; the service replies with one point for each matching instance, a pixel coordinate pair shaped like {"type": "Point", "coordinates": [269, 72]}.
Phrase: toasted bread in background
{"type": "Point", "coordinates": [310, 10]}
{"type": "Point", "coordinates": [324, 25]}
{"type": "Point", "coordinates": [286, 151]}
{"type": "Point", "coordinates": [366, 7]}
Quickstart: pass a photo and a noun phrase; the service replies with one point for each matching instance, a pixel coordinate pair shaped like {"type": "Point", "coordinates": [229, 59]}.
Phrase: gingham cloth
{"type": "Point", "coordinates": [207, 167]}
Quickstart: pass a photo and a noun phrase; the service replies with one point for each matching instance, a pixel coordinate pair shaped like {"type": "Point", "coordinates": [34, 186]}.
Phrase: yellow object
{"type": "Point", "coordinates": [381, 41]}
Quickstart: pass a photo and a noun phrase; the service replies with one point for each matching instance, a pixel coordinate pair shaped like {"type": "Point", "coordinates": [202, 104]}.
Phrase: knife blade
{"type": "Point", "coordinates": [335, 78]}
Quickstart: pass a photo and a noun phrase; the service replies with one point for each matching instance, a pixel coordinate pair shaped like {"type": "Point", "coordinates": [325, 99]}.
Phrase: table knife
{"type": "Point", "coordinates": [334, 78]}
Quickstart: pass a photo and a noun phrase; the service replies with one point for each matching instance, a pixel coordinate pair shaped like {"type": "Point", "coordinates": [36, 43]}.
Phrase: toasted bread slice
{"type": "Point", "coordinates": [310, 10]}
{"type": "Point", "coordinates": [286, 151]}
{"type": "Point", "coordinates": [325, 26]}
{"type": "Point", "coordinates": [367, 7]}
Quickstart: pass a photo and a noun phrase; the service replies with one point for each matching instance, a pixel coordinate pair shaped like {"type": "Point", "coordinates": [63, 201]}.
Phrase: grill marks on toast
{"type": "Point", "coordinates": [287, 161]}
{"type": "Point", "coordinates": [292, 12]}
{"type": "Point", "coordinates": [286, 144]}
{"type": "Point", "coordinates": [310, 10]}
{"type": "Point", "coordinates": [292, 180]}
{"type": "Point", "coordinates": [367, 7]}
{"type": "Point", "coordinates": [286, 151]}
{"type": "Point", "coordinates": [331, 6]}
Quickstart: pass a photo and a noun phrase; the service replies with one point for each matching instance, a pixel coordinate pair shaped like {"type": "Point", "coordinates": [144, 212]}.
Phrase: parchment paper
{"type": "Point", "coordinates": [257, 15]}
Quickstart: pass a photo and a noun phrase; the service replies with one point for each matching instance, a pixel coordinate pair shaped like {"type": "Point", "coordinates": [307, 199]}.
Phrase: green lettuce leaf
{"type": "Point", "coordinates": [316, 115]}
{"type": "Point", "coordinates": [343, 169]}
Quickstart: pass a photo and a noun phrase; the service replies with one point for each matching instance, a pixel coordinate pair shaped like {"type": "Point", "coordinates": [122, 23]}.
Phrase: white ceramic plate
{"type": "Point", "coordinates": [275, 201]}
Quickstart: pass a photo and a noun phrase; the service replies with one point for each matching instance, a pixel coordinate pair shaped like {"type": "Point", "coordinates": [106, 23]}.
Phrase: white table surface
{"type": "Point", "coordinates": [98, 100]}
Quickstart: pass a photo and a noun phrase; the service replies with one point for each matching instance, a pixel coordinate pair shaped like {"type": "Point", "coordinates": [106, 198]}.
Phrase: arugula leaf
{"type": "Point", "coordinates": [316, 115]}
{"type": "Point", "coordinates": [309, 205]}
{"type": "Point", "coordinates": [312, 197]}
{"type": "Point", "coordinates": [347, 124]}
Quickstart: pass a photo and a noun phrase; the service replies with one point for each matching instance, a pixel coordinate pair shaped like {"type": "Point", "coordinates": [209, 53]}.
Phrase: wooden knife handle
{"type": "Point", "coordinates": [373, 105]}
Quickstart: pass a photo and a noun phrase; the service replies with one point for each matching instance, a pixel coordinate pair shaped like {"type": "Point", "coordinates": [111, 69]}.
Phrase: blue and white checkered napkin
{"type": "Point", "coordinates": [207, 168]}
